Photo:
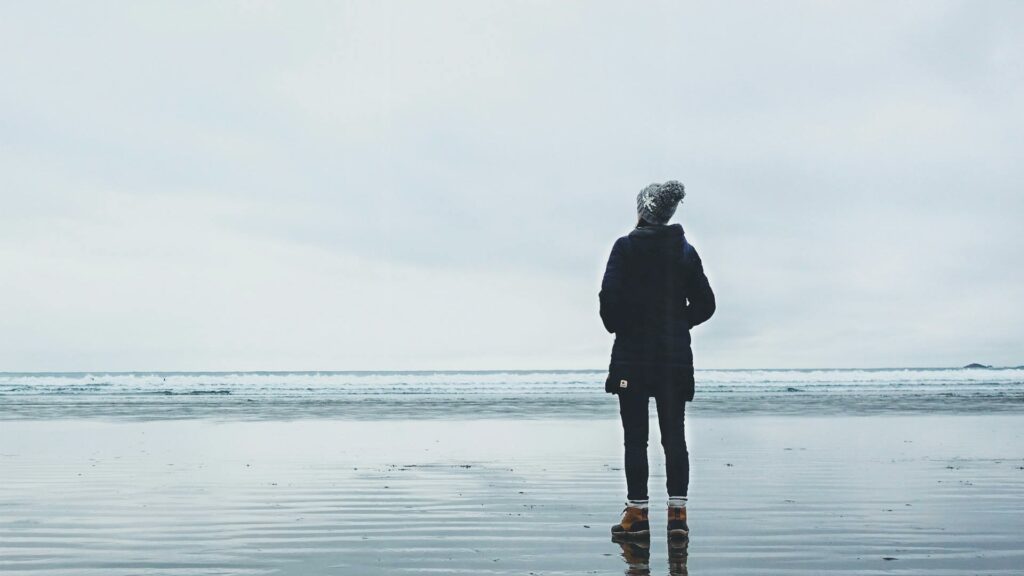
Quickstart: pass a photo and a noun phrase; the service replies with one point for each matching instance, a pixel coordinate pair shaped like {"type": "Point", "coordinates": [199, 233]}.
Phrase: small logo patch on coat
{"type": "Point", "coordinates": [623, 383]}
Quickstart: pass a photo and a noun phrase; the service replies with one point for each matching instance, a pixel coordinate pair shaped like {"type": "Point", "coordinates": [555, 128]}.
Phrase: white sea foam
{"type": "Point", "coordinates": [498, 393]}
{"type": "Point", "coordinates": [434, 382]}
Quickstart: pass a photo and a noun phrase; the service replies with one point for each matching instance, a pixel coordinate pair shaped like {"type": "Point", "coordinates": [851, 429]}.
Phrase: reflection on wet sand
{"type": "Point", "coordinates": [637, 556]}
{"type": "Point", "coordinates": [778, 496]}
{"type": "Point", "coordinates": [678, 551]}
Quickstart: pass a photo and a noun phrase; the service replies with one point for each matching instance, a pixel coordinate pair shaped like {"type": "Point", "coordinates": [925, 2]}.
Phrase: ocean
{"type": "Point", "coordinates": [493, 394]}
{"type": "Point", "coordinates": [911, 471]}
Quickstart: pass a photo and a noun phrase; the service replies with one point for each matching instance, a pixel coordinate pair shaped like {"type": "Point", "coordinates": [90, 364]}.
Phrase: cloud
{"type": "Point", "coordinates": [397, 185]}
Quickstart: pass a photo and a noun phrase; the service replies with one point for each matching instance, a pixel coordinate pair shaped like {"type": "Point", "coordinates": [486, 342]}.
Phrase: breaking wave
{"type": "Point", "coordinates": [484, 394]}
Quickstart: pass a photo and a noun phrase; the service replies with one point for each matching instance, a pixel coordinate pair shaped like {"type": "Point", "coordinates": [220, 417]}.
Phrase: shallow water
{"type": "Point", "coordinates": [907, 494]}
{"type": "Point", "coordinates": [530, 394]}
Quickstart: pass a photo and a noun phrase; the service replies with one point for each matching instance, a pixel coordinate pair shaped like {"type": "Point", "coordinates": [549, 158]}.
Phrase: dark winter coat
{"type": "Point", "coordinates": [654, 290]}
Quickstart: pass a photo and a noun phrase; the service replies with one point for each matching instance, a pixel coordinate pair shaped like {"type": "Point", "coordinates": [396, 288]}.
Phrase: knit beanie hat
{"type": "Point", "coordinates": [657, 203]}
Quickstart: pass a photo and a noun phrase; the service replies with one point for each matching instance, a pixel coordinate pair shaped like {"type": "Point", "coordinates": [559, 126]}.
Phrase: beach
{"type": "Point", "coordinates": [770, 494]}
{"type": "Point", "coordinates": [341, 288]}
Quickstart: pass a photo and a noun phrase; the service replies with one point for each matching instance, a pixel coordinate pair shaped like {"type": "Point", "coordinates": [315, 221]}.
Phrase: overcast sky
{"type": "Point", "coordinates": [437, 185]}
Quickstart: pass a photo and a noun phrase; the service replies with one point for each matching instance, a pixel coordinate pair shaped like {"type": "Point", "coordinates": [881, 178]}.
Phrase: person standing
{"type": "Point", "coordinates": [653, 293]}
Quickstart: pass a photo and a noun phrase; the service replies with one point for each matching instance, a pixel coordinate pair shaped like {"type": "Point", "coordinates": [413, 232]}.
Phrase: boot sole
{"type": "Point", "coordinates": [631, 535]}
{"type": "Point", "coordinates": [679, 534]}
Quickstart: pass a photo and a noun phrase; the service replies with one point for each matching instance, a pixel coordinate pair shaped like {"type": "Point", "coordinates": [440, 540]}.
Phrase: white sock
{"type": "Point", "coordinates": [677, 501]}
{"type": "Point", "coordinates": [641, 504]}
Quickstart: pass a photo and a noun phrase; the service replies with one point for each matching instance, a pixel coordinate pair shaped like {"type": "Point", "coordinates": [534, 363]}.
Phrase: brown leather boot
{"type": "Point", "coordinates": [677, 527]}
{"type": "Point", "coordinates": [634, 524]}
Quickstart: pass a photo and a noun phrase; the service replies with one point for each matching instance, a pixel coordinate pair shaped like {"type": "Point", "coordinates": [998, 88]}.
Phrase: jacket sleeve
{"type": "Point", "coordinates": [698, 293]}
{"type": "Point", "coordinates": [611, 295]}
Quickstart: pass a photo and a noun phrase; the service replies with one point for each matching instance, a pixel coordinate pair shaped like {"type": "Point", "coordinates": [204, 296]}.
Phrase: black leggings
{"type": "Point", "coordinates": [671, 421]}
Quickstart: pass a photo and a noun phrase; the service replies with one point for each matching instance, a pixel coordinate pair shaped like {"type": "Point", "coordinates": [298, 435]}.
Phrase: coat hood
{"type": "Point", "coordinates": [658, 239]}
{"type": "Point", "coordinates": [657, 231]}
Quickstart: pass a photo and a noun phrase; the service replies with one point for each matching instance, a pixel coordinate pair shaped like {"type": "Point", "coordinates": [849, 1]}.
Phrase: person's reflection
{"type": "Point", "coordinates": [677, 554]}
{"type": "Point", "coordinates": [637, 556]}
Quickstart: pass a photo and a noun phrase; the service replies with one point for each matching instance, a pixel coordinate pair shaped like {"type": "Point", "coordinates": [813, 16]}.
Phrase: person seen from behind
{"type": "Point", "coordinates": [653, 293]}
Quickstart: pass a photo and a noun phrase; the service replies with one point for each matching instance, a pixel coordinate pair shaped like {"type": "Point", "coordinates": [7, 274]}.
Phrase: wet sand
{"type": "Point", "coordinates": [906, 494]}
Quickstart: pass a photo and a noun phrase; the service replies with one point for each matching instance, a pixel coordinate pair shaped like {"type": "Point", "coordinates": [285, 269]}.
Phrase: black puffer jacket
{"type": "Point", "coordinates": [654, 291]}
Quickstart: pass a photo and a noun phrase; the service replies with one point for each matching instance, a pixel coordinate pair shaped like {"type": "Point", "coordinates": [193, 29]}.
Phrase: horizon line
{"type": "Point", "coordinates": [491, 370]}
